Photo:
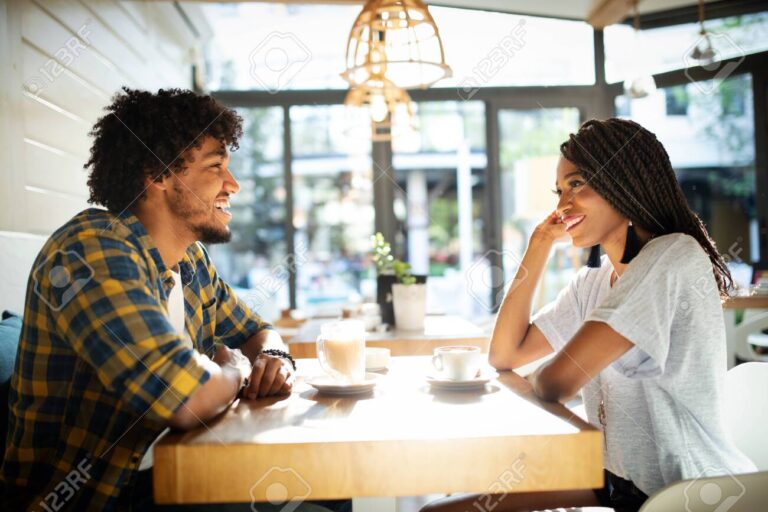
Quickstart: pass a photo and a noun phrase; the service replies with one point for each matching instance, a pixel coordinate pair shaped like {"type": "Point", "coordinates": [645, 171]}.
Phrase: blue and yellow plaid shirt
{"type": "Point", "coordinates": [100, 369]}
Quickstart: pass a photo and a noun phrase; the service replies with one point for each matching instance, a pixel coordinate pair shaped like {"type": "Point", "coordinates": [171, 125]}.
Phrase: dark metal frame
{"type": "Point", "coordinates": [592, 101]}
{"type": "Point", "coordinates": [690, 13]}
{"type": "Point", "coordinates": [757, 66]}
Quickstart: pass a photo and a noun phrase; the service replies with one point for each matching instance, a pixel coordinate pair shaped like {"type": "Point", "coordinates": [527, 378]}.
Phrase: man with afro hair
{"type": "Point", "coordinates": [128, 330]}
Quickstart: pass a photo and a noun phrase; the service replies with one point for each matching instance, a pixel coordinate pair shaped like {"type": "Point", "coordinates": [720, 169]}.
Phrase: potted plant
{"type": "Point", "coordinates": [401, 295]}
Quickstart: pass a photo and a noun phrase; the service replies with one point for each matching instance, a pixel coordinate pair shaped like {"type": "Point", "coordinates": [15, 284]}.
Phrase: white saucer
{"type": "Point", "coordinates": [377, 369]}
{"type": "Point", "coordinates": [327, 385]}
{"type": "Point", "coordinates": [480, 381]}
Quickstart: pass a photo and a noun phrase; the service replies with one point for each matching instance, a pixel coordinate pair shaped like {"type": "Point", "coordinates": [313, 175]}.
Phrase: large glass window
{"type": "Point", "coordinates": [440, 171]}
{"type": "Point", "coordinates": [529, 150]}
{"type": "Point", "coordinates": [711, 144]}
{"type": "Point", "coordinates": [274, 47]}
{"type": "Point", "coordinates": [491, 49]}
{"type": "Point", "coordinates": [332, 208]}
{"type": "Point", "coordinates": [668, 48]}
{"type": "Point", "coordinates": [255, 262]}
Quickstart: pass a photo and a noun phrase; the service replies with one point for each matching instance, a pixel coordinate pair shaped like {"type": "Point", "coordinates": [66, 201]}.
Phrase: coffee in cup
{"type": "Point", "coordinates": [341, 350]}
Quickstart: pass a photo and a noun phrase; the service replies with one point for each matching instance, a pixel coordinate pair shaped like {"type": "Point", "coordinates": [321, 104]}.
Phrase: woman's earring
{"type": "Point", "coordinates": [594, 257]}
{"type": "Point", "coordinates": [632, 247]}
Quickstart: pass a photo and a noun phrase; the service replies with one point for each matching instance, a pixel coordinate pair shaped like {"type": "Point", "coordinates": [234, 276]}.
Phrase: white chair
{"type": "Point", "coordinates": [17, 254]}
{"type": "Point", "coordinates": [748, 333]}
{"type": "Point", "coordinates": [746, 419]}
{"type": "Point", "coordinates": [740, 493]}
{"type": "Point", "coordinates": [745, 415]}
{"type": "Point", "coordinates": [746, 410]}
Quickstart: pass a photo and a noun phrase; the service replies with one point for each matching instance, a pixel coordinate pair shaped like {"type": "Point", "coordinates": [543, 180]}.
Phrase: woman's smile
{"type": "Point", "coordinates": [571, 221]}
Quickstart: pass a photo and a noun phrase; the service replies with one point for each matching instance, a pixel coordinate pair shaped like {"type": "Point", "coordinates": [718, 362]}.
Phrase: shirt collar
{"type": "Point", "coordinates": [186, 269]}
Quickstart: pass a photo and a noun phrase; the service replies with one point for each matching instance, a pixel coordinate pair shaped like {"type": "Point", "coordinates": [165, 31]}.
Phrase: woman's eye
{"type": "Point", "coordinates": [557, 192]}
{"type": "Point", "coordinates": [575, 183]}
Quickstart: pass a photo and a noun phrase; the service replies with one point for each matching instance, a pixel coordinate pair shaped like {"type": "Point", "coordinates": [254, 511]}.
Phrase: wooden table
{"type": "Point", "coordinates": [439, 330]}
{"type": "Point", "coordinates": [750, 302]}
{"type": "Point", "coordinates": [402, 439]}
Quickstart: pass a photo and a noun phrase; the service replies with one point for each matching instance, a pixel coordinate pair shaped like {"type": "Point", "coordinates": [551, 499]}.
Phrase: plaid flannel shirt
{"type": "Point", "coordinates": [100, 369]}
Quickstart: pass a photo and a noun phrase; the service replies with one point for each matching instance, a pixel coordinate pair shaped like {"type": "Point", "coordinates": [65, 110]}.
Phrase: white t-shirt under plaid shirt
{"type": "Point", "coordinates": [662, 398]}
{"type": "Point", "coordinates": [177, 318]}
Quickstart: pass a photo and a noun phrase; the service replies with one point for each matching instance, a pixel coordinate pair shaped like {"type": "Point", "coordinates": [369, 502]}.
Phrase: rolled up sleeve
{"type": "Point", "coordinates": [118, 326]}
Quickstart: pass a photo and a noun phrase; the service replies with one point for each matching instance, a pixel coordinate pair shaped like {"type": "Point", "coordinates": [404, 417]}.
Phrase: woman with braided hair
{"type": "Point", "coordinates": [639, 330]}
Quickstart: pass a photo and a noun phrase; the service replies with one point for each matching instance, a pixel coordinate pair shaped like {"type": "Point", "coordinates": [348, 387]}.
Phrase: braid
{"type": "Point", "coordinates": [628, 166]}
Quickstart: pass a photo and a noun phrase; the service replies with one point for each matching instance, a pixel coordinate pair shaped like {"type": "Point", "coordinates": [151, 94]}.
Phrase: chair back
{"type": "Point", "coordinates": [17, 254]}
{"type": "Point", "coordinates": [745, 410]}
{"type": "Point", "coordinates": [10, 329]}
{"type": "Point", "coordinates": [750, 325]}
{"type": "Point", "coordinates": [739, 493]}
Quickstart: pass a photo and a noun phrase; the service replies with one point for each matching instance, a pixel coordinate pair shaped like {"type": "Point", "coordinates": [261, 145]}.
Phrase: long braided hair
{"type": "Point", "coordinates": [628, 166]}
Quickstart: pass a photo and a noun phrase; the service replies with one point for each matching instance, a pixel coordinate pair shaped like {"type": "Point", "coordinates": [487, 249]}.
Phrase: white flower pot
{"type": "Point", "coordinates": [410, 304]}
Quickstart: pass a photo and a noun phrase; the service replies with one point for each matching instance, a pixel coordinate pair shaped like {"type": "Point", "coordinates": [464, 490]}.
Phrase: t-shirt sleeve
{"type": "Point", "coordinates": [642, 304]}
{"type": "Point", "coordinates": [560, 319]}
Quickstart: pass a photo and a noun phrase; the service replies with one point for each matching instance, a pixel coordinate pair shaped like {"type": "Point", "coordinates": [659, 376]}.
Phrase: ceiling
{"type": "Point", "coordinates": [598, 12]}
{"type": "Point", "coordinates": [572, 9]}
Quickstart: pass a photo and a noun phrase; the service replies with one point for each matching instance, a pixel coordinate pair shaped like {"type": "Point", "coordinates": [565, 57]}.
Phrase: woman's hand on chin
{"type": "Point", "coordinates": [552, 229]}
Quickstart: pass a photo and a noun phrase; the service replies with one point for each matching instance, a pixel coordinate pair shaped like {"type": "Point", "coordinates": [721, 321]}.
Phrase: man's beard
{"type": "Point", "coordinates": [186, 206]}
{"type": "Point", "coordinates": [212, 235]}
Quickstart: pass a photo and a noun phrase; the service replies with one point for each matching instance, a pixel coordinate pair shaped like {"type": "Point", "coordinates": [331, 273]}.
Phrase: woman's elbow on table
{"type": "Point", "coordinates": [551, 386]}
{"type": "Point", "coordinates": [498, 361]}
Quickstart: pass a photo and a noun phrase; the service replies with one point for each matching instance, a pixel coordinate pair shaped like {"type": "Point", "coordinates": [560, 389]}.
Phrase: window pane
{"type": "Point", "coordinates": [333, 209]}
{"type": "Point", "coordinates": [257, 46]}
{"type": "Point", "coordinates": [254, 262]}
{"type": "Point", "coordinates": [712, 149]}
{"type": "Point", "coordinates": [439, 201]}
{"type": "Point", "coordinates": [668, 48]}
{"type": "Point", "coordinates": [530, 148]}
{"type": "Point", "coordinates": [278, 47]}
{"type": "Point", "coordinates": [491, 49]}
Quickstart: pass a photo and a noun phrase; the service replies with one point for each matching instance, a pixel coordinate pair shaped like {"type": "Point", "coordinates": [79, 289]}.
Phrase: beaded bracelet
{"type": "Point", "coordinates": [280, 353]}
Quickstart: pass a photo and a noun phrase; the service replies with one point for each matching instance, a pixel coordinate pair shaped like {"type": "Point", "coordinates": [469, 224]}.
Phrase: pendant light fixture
{"type": "Point", "coordinates": [389, 107]}
{"type": "Point", "coordinates": [396, 39]}
{"type": "Point", "coordinates": [703, 52]}
{"type": "Point", "coordinates": [380, 96]}
{"type": "Point", "coordinates": [640, 83]}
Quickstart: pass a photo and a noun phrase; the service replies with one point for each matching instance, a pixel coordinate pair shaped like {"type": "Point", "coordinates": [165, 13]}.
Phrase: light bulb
{"type": "Point", "coordinates": [378, 107]}
{"type": "Point", "coordinates": [640, 83]}
{"type": "Point", "coordinates": [703, 51]}
{"type": "Point", "coordinates": [640, 86]}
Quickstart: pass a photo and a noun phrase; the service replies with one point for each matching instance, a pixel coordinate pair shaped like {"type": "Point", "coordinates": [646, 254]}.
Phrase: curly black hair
{"type": "Point", "coordinates": [628, 166]}
{"type": "Point", "coordinates": [148, 134]}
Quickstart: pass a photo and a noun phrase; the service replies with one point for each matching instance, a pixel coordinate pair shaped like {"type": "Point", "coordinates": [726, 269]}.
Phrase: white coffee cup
{"type": "Point", "coordinates": [457, 362]}
{"type": "Point", "coordinates": [341, 350]}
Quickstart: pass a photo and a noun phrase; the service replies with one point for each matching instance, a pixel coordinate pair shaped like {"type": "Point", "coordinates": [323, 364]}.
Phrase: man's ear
{"type": "Point", "coordinates": [159, 183]}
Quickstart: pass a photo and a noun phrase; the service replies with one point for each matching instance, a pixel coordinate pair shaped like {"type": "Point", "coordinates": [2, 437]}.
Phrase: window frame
{"type": "Point", "coordinates": [596, 100]}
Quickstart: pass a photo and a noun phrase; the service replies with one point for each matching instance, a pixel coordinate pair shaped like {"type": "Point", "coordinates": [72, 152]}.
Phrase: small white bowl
{"type": "Point", "coordinates": [376, 358]}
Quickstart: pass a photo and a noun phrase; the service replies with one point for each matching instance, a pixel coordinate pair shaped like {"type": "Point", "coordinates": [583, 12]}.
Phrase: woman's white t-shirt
{"type": "Point", "coordinates": [663, 397]}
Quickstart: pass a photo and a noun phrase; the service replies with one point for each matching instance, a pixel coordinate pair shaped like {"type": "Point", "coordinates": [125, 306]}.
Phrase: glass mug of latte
{"type": "Point", "coordinates": [341, 350]}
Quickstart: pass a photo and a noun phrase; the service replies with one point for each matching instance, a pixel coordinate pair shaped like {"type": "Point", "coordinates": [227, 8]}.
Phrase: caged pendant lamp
{"type": "Point", "coordinates": [389, 107]}
{"type": "Point", "coordinates": [381, 96]}
{"type": "Point", "coordinates": [640, 83]}
{"type": "Point", "coordinates": [396, 39]}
